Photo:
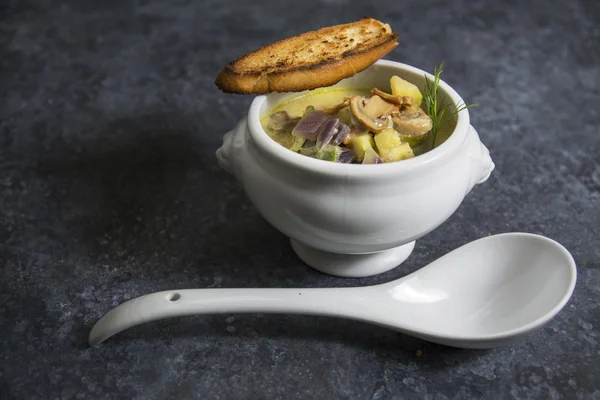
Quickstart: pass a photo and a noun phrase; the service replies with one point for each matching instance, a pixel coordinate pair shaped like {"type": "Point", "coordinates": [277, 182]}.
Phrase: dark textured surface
{"type": "Point", "coordinates": [109, 189]}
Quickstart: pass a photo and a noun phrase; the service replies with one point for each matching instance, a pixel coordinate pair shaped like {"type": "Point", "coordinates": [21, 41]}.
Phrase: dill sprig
{"type": "Point", "coordinates": [439, 110]}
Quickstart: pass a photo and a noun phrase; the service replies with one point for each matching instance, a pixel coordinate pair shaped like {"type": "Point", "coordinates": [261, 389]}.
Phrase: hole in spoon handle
{"type": "Point", "coordinates": [173, 296]}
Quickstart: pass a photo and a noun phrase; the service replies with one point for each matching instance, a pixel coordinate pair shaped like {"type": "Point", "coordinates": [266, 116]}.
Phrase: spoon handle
{"type": "Point", "coordinates": [341, 302]}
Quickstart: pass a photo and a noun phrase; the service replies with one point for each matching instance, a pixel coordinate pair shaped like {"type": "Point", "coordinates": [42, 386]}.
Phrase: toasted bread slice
{"type": "Point", "coordinates": [310, 60]}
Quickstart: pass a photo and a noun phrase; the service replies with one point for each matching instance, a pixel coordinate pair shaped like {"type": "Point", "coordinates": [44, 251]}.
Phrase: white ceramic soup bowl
{"type": "Point", "coordinates": [355, 220]}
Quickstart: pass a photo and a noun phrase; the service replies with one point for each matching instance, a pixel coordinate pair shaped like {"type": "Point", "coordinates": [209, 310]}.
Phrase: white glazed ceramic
{"type": "Point", "coordinates": [487, 293]}
{"type": "Point", "coordinates": [332, 211]}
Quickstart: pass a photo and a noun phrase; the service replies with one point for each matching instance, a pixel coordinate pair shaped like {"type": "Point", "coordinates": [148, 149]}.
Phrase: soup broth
{"type": "Point", "coordinates": [355, 125]}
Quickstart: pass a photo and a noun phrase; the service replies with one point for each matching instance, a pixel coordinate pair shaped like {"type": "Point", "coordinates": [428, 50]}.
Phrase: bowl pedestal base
{"type": "Point", "coordinates": [353, 265]}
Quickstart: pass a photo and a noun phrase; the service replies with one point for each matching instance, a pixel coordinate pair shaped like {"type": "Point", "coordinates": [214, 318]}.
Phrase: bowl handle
{"type": "Point", "coordinates": [233, 143]}
{"type": "Point", "coordinates": [482, 164]}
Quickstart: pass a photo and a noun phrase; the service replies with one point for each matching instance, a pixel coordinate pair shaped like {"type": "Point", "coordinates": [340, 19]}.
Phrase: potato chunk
{"type": "Point", "coordinates": [400, 87]}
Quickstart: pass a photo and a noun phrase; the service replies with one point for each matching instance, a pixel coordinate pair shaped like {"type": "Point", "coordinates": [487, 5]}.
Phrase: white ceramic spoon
{"type": "Point", "coordinates": [484, 294]}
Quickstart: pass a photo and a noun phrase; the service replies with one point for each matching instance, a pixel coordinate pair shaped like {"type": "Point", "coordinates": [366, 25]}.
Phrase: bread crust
{"type": "Point", "coordinates": [298, 76]}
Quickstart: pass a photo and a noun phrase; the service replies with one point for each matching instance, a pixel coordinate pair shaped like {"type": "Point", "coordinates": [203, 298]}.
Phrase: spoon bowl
{"type": "Point", "coordinates": [487, 293]}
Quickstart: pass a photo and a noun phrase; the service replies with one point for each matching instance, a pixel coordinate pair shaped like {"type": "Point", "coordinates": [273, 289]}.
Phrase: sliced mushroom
{"type": "Point", "coordinates": [412, 124]}
{"type": "Point", "coordinates": [338, 107]}
{"type": "Point", "coordinates": [372, 112]}
{"type": "Point", "coordinates": [399, 100]}
{"type": "Point", "coordinates": [356, 126]}
{"type": "Point", "coordinates": [282, 122]}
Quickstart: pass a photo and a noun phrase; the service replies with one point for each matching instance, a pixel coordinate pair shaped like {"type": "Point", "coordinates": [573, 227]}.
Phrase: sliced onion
{"type": "Point", "coordinates": [371, 157]}
{"type": "Point", "coordinates": [309, 126]}
{"type": "Point", "coordinates": [326, 133]}
{"type": "Point", "coordinates": [343, 132]}
{"type": "Point", "coordinates": [346, 156]}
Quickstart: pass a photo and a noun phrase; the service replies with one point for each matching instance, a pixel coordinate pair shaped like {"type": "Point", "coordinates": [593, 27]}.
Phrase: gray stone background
{"type": "Point", "coordinates": [109, 189]}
